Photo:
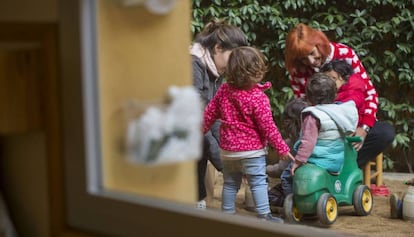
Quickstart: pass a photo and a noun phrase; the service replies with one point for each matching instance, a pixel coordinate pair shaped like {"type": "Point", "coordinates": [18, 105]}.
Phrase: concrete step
{"type": "Point", "coordinates": [397, 176]}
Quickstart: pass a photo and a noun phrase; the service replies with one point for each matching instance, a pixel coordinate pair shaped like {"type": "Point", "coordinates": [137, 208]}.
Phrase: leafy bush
{"type": "Point", "coordinates": [380, 31]}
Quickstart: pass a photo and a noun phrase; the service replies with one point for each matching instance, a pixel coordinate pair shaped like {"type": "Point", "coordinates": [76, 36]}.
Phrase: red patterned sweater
{"type": "Point", "coordinates": [340, 51]}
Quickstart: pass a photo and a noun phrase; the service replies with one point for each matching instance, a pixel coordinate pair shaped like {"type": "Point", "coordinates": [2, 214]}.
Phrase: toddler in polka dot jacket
{"type": "Point", "coordinates": [247, 127]}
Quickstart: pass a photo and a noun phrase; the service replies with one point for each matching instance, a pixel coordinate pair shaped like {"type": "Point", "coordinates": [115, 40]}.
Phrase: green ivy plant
{"type": "Point", "coordinates": [380, 31]}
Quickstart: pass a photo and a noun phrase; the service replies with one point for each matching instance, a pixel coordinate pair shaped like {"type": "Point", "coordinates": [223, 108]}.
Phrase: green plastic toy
{"type": "Point", "coordinates": [316, 192]}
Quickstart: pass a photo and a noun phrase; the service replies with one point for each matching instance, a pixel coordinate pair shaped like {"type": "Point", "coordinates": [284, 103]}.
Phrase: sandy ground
{"type": "Point", "coordinates": [378, 223]}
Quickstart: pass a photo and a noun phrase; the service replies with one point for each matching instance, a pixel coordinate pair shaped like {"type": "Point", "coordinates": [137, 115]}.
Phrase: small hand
{"type": "Point", "coordinates": [287, 156]}
{"type": "Point", "coordinates": [295, 165]}
{"type": "Point", "coordinates": [361, 133]}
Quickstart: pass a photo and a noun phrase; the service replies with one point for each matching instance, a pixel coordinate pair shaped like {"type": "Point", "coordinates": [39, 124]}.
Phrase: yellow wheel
{"type": "Point", "coordinates": [362, 200]}
{"type": "Point", "coordinates": [327, 209]}
{"type": "Point", "coordinates": [292, 214]}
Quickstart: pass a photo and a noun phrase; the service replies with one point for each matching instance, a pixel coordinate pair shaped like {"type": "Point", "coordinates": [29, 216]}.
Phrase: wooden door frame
{"type": "Point", "coordinates": [46, 35]}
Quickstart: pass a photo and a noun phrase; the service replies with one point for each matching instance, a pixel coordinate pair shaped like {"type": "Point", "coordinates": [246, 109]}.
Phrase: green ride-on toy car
{"type": "Point", "coordinates": [318, 193]}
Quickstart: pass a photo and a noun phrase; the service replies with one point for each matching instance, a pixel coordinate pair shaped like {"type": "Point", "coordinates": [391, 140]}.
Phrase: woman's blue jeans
{"type": "Point", "coordinates": [255, 171]}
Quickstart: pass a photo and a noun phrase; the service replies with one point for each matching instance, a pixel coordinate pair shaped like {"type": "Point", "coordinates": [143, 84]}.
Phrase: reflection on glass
{"type": "Point", "coordinates": [160, 133]}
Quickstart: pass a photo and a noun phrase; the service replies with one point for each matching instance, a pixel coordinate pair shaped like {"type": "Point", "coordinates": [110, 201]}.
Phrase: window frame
{"type": "Point", "coordinates": [89, 207]}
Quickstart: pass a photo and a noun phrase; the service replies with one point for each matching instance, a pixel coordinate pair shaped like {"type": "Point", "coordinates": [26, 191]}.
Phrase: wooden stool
{"type": "Point", "coordinates": [377, 189]}
{"type": "Point", "coordinates": [377, 173]}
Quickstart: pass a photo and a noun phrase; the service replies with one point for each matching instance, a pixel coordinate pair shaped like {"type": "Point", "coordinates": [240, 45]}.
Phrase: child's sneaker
{"type": "Point", "coordinates": [395, 206]}
{"type": "Point", "coordinates": [276, 195]}
{"type": "Point", "coordinates": [269, 217]}
{"type": "Point", "coordinates": [201, 204]}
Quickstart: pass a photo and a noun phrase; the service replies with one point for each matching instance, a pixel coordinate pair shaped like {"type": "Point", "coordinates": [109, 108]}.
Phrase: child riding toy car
{"type": "Point", "coordinates": [318, 192]}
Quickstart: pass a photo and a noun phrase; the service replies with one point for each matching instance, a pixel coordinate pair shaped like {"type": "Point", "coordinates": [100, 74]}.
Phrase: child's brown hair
{"type": "Point", "coordinates": [321, 89]}
{"type": "Point", "coordinates": [246, 67]}
{"type": "Point", "coordinates": [291, 118]}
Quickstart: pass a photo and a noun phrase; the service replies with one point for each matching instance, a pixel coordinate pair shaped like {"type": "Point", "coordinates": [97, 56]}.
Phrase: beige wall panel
{"type": "Point", "coordinates": [140, 56]}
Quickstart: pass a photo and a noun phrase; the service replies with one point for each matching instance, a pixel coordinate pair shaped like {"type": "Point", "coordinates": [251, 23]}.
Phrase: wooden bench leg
{"type": "Point", "coordinates": [377, 174]}
{"type": "Point", "coordinates": [378, 162]}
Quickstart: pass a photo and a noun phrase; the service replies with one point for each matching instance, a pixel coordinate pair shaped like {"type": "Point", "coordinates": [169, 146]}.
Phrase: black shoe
{"type": "Point", "coordinates": [276, 196]}
{"type": "Point", "coordinates": [269, 217]}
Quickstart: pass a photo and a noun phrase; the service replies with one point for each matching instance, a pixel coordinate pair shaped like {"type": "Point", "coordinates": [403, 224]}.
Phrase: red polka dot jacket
{"type": "Point", "coordinates": [246, 119]}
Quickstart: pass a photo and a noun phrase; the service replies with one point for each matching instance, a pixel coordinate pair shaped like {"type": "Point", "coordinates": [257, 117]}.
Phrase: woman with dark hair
{"type": "Point", "coordinates": [350, 85]}
{"type": "Point", "coordinates": [210, 52]}
{"type": "Point", "coordinates": [307, 50]}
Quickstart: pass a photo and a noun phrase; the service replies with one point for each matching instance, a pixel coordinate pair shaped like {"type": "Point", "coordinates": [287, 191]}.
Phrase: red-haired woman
{"type": "Point", "coordinates": [307, 50]}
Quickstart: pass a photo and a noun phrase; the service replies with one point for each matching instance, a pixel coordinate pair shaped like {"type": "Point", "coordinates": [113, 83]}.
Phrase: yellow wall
{"type": "Point", "coordinates": [140, 56]}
